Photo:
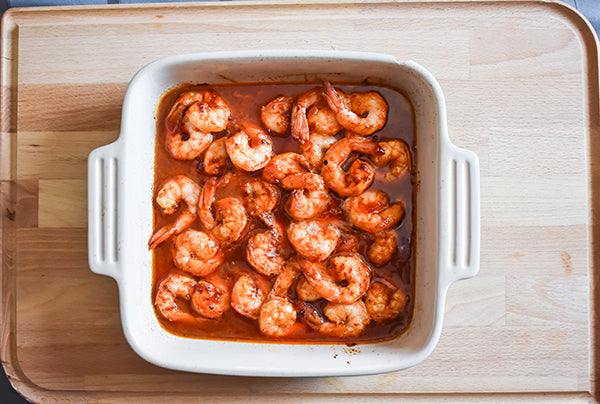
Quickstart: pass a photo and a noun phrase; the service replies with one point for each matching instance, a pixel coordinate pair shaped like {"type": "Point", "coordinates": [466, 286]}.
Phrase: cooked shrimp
{"type": "Point", "coordinates": [170, 290]}
{"type": "Point", "coordinates": [231, 219]}
{"type": "Point", "coordinates": [216, 158]}
{"type": "Point", "coordinates": [300, 128]}
{"type": "Point", "coordinates": [344, 320]}
{"type": "Point", "coordinates": [205, 203]}
{"type": "Point", "coordinates": [349, 242]}
{"type": "Point", "coordinates": [187, 143]}
{"type": "Point", "coordinates": [385, 302]}
{"type": "Point", "coordinates": [248, 294]}
{"type": "Point", "coordinates": [260, 197]}
{"type": "Point", "coordinates": [192, 118]}
{"type": "Point", "coordinates": [361, 173]}
{"type": "Point", "coordinates": [205, 109]}
{"type": "Point", "coordinates": [383, 248]}
{"type": "Point", "coordinates": [282, 165]}
{"type": "Point", "coordinates": [322, 119]}
{"type": "Point", "coordinates": [314, 239]}
{"type": "Point", "coordinates": [226, 218]}
{"type": "Point", "coordinates": [264, 253]}
{"type": "Point", "coordinates": [365, 114]}
{"type": "Point", "coordinates": [306, 292]}
{"type": "Point", "coordinates": [277, 317]}
{"type": "Point", "coordinates": [196, 253]}
{"type": "Point", "coordinates": [275, 115]}
{"type": "Point", "coordinates": [397, 155]}
{"type": "Point", "coordinates": [371, 211]}
{"type": "Point", "coordinates": [329, 279]}
{"type": "Point", "coordinates": [284, 281]}
{"type": "Point", "coordinates": [315, 148]}
{"type": "Point", "coordinates": [309, 195]}
{"type": "Point", "coordinates": [174, 191]}
{"type": "Point", "coordinates": [211, 297]}
{"type": "Point", "coordinates": [249, 149]}
{"type": "Point", "coordinates": [227, 179]}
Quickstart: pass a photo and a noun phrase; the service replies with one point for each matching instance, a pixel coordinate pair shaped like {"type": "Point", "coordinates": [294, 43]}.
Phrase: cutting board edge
{"type": "Point", "coordinates": [37, 393]}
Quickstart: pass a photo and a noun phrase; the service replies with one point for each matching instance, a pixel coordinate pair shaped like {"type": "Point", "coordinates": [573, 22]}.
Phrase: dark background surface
{"type": "Point", "coordinates": [589, 8]}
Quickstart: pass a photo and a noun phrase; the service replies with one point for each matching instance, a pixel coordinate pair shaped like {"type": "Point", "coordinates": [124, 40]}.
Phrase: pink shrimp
{"type": "Point", "coordinates": [361, 173]}
{"type": "Point", "coordinates": [327, 278]}
{"type": "Point", "coordinates": [309, 195]}
{"type": "Point", "coordinates": [174, 191]}
{"type": "Point", "coordinates": [364, 114]}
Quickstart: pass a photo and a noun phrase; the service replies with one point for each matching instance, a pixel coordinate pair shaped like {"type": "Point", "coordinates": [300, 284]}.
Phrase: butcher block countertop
{"type": "Point", "coordinates": [521, 86]}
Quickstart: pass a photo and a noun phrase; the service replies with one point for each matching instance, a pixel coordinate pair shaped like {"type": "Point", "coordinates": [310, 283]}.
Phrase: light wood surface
{"type": "Point", "coordinates": [521, 86]}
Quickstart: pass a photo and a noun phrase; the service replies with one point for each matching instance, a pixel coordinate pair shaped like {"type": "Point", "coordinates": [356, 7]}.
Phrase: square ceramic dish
{"type": "Point", "coordinates": [120, 192]}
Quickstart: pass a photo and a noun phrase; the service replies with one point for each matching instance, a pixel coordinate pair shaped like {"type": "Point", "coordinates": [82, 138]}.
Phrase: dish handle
{"type": "Point", "coordinates": [460, 221]}
{"type": "Point", "coordinates": [103, 178]}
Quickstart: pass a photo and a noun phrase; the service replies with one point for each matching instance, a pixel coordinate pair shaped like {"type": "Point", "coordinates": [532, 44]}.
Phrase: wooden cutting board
{"type": "Point", "coordinates": [521, 86]}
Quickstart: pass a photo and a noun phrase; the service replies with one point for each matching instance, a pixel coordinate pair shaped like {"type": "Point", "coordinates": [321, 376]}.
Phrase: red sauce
{"type": "Point", "coordinates": [245, 101]}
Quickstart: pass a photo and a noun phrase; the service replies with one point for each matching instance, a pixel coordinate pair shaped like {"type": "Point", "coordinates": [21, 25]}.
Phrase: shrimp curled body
{"type": "Point", "coordinates": [383, 248]}
{"type": "Point", "coordinates": [249, 149]}
{"type": "Point", "coordinates": [275, 115]}
{"type": "Point", "coordinates": [187, 143]}
{"type": "Point", "coordinates": [361, 173]}
{"type": "Point", "coordinates": [211, 298]}
{"type": "Point", "coordinates": [170, 289]}
{"type": "Point", "coordinates": [263, 253]}
{"type": "Point", "coordinates": [248, 294]}
{"type": "Point", "coordinates": [216, 158]}
{"type": "Point", "coordinates": [397, 156]}
{"type": "Point", "coordinates": [192, 118]}
{"type": "Point", "coordinates": [321, 119]}
{"type": "Point", "coordinates": [225, 218]}
{"type": "Point", "coordinates": [372, 212]}
{"type": "Point", "coordinates": [196, 253]}
{"type": "Point", "coordinates": [231, 220]}
{"type": "Point", "coordinates": [282, 165]}
{"type": "Point", "coordinates": [315, 148]}
{"type": "Point", "coordinates": [174, 191]}
{"type": "Point", "coordinates": [327, 279]}
{"type": "Point", "coordinates": [277, 317]}
{"type": "Point", "coordinates": [205, 109]}
{"type": "Point", "coordinates": [385, 302]}
{"type": "Point", "coordinates": [364, 114]}
{"type": "Point", "coordinates": [260, 197]}
{"type": "Point", "coordinates": [343, 320]}
{"type": "Point", "coordinates": [309, 195]}
{"type": "Point", "coordinates": [313, 239]}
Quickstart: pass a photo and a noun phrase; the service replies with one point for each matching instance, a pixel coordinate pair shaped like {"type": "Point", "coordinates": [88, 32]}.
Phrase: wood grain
{"type": "Point", "coordinates": [521, 85]}
{"type": "Point", "coordinates": [58, 154]}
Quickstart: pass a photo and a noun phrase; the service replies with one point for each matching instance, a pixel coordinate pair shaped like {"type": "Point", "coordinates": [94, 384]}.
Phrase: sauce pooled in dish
{"type": "Point", "coordinates": [284, 212]}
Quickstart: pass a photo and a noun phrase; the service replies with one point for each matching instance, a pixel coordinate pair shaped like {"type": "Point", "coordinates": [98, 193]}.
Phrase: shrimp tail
{"type": "Point", "coordinates": [309, 313]}
{"type": "Point", "coordinates": [299, 126]}
{"type": "Point", "coordinates": [368, 147]}
{"type": "Point", "coordinates": [164, 233]}
{"type": "Point", "coordinates": [209, 191]}
{"type": "Point", "coordinates": [332, 97]}
{"type": "Point", "coordinates": [174, 118]}
{"type": "Point", "coordinates": [206, 200]}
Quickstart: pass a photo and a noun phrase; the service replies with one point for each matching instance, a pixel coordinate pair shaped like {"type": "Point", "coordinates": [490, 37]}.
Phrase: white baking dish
{"type": "Point", "coordinates": [120, 214]}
